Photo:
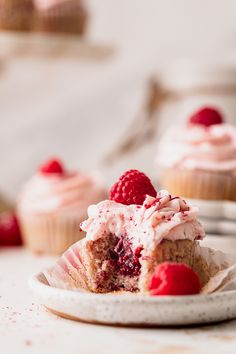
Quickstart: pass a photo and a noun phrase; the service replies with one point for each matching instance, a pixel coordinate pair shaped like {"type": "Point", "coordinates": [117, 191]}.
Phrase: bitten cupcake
{"type": "Point", "coordinates": [52, 205]}
{"type": "Point", "coordinates": [198, 160]}
{"type": "Point", "coordinates": [60, 16]}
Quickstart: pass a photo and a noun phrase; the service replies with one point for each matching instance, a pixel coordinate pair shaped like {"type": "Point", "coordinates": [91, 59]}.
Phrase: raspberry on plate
{"type": "Point", "coordinates": [9, 230]}
{"type": "Point", "coordinates": [174, 279]}
{"type": "Point", "coordinates": [206, 116]}
{"type": "Point", "coordinates": [132, 188]}
{"type": "Point", "coordinates": [52, 166]}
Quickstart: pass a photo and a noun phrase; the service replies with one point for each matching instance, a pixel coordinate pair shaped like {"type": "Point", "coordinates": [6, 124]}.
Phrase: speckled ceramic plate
{"type": "Point", "coordinates": [135, 310]}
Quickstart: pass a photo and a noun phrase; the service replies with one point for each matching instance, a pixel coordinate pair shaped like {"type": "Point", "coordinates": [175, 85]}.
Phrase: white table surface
{"type": "Point", "coordinates": [26, 327]}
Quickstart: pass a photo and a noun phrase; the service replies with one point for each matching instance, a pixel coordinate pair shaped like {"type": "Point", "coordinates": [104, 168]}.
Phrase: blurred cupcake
{"type": "Point", "coordinates": [16, 15]}
{"type": "Point", "coordinates": [198, 160]}
{"type": "Point", "coordinates": [60, 16]}
{"type": "Point", "coordinates": [53, 204]}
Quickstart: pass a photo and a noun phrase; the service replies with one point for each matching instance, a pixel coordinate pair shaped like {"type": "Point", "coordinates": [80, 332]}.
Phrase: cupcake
{"type": "Point", "coordinates": [16, 15]}
{"type": "Point", "coordinates": [52, 205]}
{"type": "Point", "coordinates": [128, 236]}
{"type": "Point", "coordinates": [60, 16]}
{"type": "Point", "coordinates": [198, 160]}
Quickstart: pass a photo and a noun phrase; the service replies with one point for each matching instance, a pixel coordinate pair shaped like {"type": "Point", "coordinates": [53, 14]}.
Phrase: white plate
{"type": "Point", "coordinates": [135, 310]}
{"type": "Point", "coordinates": [215, 209]}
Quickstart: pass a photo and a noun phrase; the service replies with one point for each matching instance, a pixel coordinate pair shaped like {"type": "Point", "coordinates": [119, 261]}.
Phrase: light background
{"type": "Point", "coordinates": [77, 109]}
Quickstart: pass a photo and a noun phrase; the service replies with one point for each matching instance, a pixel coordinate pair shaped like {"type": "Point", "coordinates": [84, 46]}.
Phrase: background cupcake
{"type": "Point", "coordinates": [52, 205]}
{"type": "Point", "coordinates": [16, 15]}
{"type": "Point", "coordinates": [65, 16]}
{"type": "Point", "coordinates": [198, 160]}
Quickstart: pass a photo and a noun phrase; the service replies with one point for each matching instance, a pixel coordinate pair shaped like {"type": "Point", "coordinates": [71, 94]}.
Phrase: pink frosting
{"type": "Point", "coordinates": [196, 147]}
{"type": "Point", "coordinates": [164, 217]}
{"type": "Point", "coordinates": [53, 193]}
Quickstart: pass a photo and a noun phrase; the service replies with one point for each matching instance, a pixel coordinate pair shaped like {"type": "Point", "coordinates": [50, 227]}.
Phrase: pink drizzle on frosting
{"type": "Point", "coordinates": [158, 218]}
{"type": "Point", "coordinates": [197, 147]}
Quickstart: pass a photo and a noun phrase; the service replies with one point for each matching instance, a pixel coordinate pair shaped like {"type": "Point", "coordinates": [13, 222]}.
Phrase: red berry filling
{"type": "Point", "coordinates": [174, 279]}
{"type": "Point", "coordinates": [9, 230]}
{"type": "Point", "coordinates": [52, 166]}
{"type": "Point", "coordinates": [132, 188]}
{"type": "Point", "coordinates": [125, 259]}
{"type": "Point", "coordinates": [206, 116]}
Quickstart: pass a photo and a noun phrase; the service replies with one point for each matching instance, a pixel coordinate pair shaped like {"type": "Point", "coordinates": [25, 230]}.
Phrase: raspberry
{"type": "Point", "coordinates": [132, 188]}
{"type": "Point", "coordinates": [52, 166]}
{"type": "Point", "coordinates": [206, 116]}
{"type": "Point", "coordinates": [174, 279]}
{"type": "Point", "coordinates": [9, 230]}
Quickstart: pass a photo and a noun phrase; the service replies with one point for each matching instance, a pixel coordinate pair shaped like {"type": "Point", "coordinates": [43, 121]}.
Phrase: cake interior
{"type": "Point", "coordinates": [113, 264]}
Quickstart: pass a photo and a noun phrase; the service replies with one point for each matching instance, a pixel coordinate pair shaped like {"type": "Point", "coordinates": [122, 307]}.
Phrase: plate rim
{"type": "Point", "coordinates": [35, 284]}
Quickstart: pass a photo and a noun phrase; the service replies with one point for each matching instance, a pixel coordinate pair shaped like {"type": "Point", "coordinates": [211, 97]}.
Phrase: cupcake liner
{"type": "Point", "coordinates": [16, 15]}
{"type": "Point", "coordinates": [51, 234]}
{"type": "Point", "coordinates": [68, 17]}
{"type": "Point", "coordinates": [69, 271]}
{"type": "Point", "coordinates": [199, 184]}
{"type": "Point", "coordinates": [217, 267]}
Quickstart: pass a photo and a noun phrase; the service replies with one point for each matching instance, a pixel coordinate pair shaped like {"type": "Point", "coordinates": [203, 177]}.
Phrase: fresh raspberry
{"type": "Point", "coordinates": [52, 166]}
{"type": "Point", "coordinates": [206, 116]}
{"type": "Point", "coordinates": [132, 188]}
{"type": "Point", "coordinates": [174, 279]}
{"type": "Point", "coordinates": [9, 230]}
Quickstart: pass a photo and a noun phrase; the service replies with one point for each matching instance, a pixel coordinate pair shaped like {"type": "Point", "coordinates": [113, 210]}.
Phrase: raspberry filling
{"type": "Point", "coordinates": [117, 264]}
{"type": "Point", "coordinates": [125, 260]}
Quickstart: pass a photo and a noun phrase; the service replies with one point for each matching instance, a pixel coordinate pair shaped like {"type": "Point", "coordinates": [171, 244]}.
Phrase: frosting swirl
{"type": "Point", "coordinates": [197, 147]}
{"type": "Point", "coordinates": [53, 193]}
{"type": "Point", "coordinates": [157, 219]}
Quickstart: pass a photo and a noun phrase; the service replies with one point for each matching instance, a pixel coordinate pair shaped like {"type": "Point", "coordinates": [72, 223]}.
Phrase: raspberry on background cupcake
{"type": "Point", "coordinates": [60, 16]}
{"type": "Point", "coordinates": [198, 160]}
{"type": "Point", "coordinates": [16, 15]}
{"type": "Point", "coordinates": [52, 205]}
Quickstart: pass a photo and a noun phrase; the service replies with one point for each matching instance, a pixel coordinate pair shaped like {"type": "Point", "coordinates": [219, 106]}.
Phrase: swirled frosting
{"type": "Point", "coordinates": [163, 217]}
{"type": "Point", "coordinates": [55, 193]}
{"type": "Point", "coordinates": [196, 147]}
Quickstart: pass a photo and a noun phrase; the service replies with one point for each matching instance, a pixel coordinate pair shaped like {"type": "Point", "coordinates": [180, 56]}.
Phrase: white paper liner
{"type": "Point", "coordinates": [222, 268]}
{"type": "Point", "coordinates": [69, 272]}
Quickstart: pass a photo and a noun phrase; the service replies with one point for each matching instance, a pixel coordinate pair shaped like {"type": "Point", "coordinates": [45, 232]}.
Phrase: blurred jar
{"type": "Point", "coordinates": [186, 86]}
